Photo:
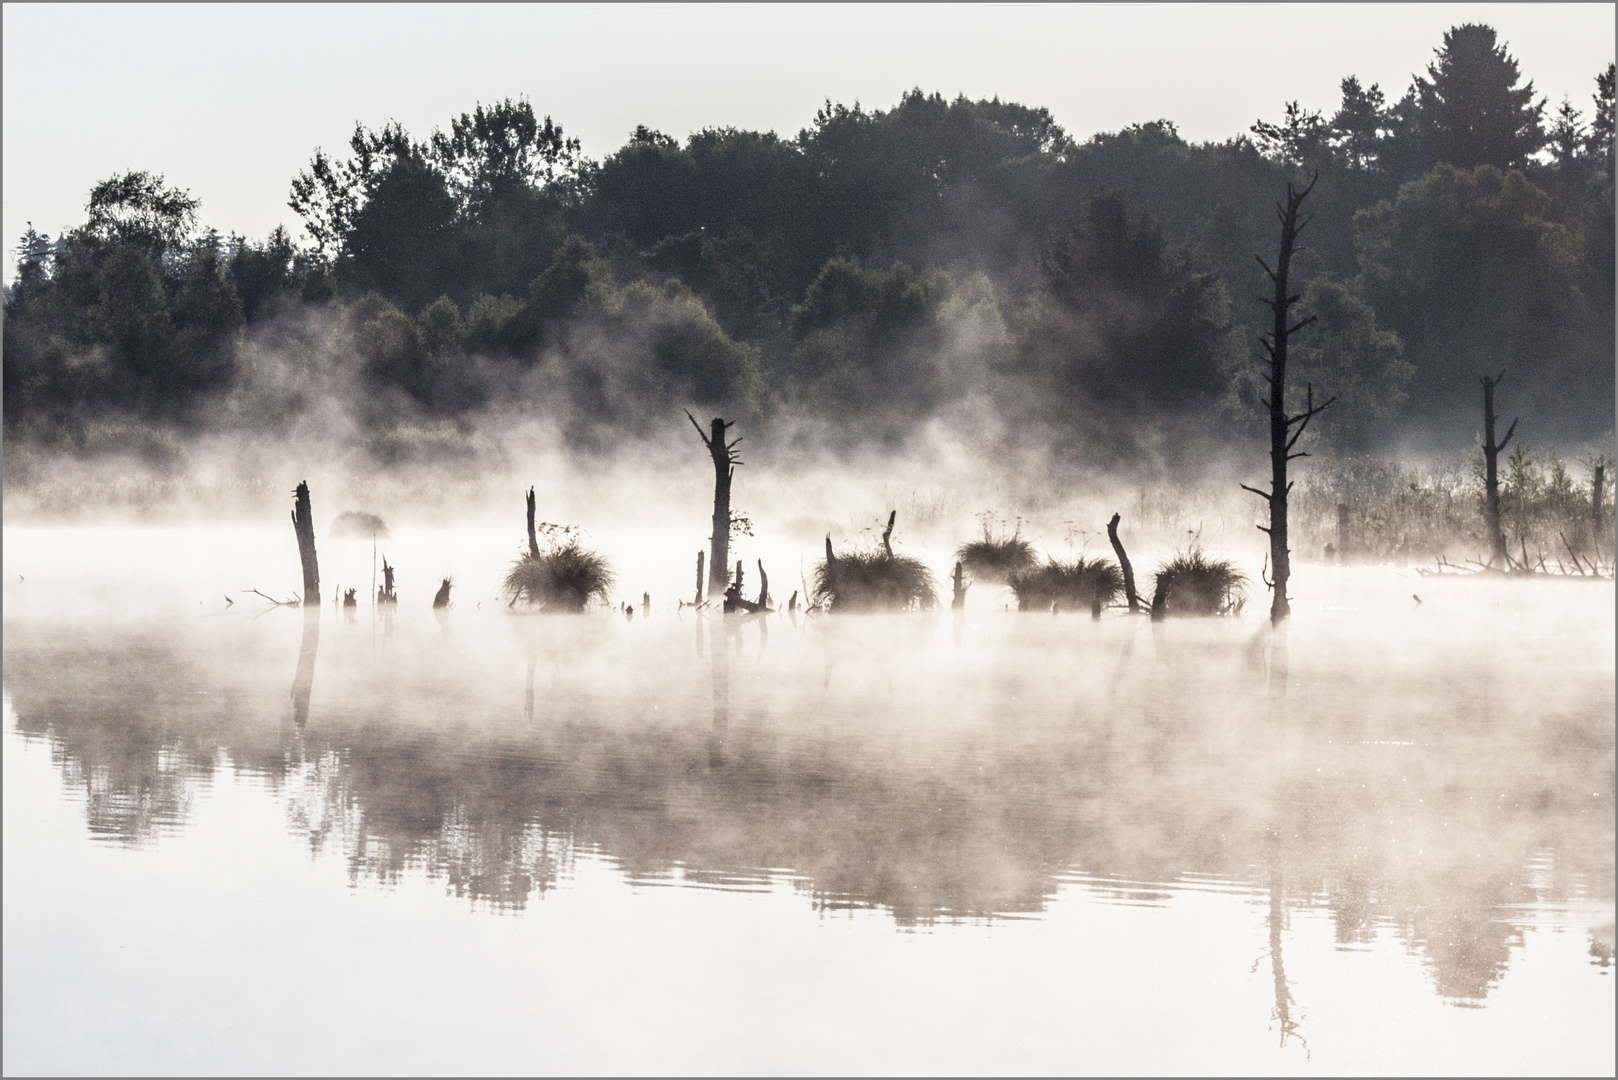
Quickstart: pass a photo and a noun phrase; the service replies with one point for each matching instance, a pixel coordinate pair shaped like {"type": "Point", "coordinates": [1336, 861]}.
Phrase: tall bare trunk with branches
{"type": "Point", "coordinates": [724, 470]}
{"type": "Point", "coordinates": [1491, 473]}
{"type": "Point", "coordinates": [1285, 428]}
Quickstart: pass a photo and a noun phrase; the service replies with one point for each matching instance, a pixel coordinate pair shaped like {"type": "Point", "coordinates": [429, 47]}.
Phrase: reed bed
{"type": "Point", "coordinates": [996, 560]}
{"type": "Point", "coordinates": [1194, 585]}
{"type": "Point", "coordinates": [1070, 586]}
{"type": "Point", "coordinates": [565, 579]}
{"type": "Point", "coordinates": [874, 581]}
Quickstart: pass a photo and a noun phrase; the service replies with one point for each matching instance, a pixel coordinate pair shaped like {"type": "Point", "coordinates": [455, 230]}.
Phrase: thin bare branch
{"type": "Point", "coordinates": [1501, 445]}
{"type": "Point", "coordinates": [703, 434]}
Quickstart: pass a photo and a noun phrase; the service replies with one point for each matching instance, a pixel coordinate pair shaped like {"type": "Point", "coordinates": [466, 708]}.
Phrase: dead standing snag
{"type": "Point", "coordinates": [724, 469]}
{"type": "Point", "coordinates": [1491, 474]}
{"type": "Point", "coordinates": [533, 538]}
{"type": "Point", "coordinates": [1285, 429]}
{"type": "Point", "coordinates": [303, 526]}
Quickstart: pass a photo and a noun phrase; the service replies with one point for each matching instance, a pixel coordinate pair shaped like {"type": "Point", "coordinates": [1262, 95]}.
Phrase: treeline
{"type": "Point", "coordinates": [879, 270]}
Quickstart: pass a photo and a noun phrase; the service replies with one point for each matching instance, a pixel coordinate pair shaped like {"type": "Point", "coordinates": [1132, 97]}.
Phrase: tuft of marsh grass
{"type": "Point", "coordinates": [565, 579]}
{"type": "Point", "coordinates": [1193, 584]}
{"type": "Point", "coordinates": [1071, 586]}
{"type": "Point", "coordinates": [995, 561]}
{"type": "Point", "coordinates": [873, 581]}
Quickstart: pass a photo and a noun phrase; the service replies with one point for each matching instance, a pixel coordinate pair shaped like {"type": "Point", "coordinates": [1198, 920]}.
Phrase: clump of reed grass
{"type": "Point", "coordinates": [1071, 586]}
{"type": "Point", "coordinates": [1193, 584]}
{"type": "Point", "coordinates": [995, 559]}
{"type": "Point", "coordinates": [873, 581]}
{"type": "Point", "coordinates": [566, 578]}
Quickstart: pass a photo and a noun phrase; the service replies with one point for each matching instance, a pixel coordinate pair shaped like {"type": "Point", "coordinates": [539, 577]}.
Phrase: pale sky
{"type": "Point", "coordinates": [230, 101]}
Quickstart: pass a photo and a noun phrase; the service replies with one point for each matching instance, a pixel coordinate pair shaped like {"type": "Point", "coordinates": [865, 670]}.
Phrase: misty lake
{"type": "Point", "coordinates": [240, 840]}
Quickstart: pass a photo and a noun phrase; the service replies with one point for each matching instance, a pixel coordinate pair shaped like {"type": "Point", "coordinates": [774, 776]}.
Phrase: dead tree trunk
{"type": "Point", "coordinates": [1123, 562]}
{"type": "Point", "coordinates": [1285, 429]}
{"type": "Point", "coordinates": [1491, 473]}
{"type": "Point", "coordinates": [533, 537]}
{"type": "Point", "coordinates": [441, 598]}
{"type": "Point", "coordinates": [831, 568]}
{"type": "Point", "coordinates": [958, 601]}
{"type": "Point", "coordinates": [1597, 490]}
{"type": "Point", "coordinates": [887, 534]}
{"type": "Point", "coordinates": [724, 470]}
{"type": "Point", "coordinates": [698, 601]}
{"type": "Point", "coordinates": [1342, 533]}
{"type": "Point", "coordinates": [303, 525]}
{"type": "Point", "coordinates": [763, 586]}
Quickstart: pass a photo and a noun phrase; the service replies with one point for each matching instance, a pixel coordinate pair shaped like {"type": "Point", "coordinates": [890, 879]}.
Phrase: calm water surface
{"type": "Point", "coordinates": [240, 840]}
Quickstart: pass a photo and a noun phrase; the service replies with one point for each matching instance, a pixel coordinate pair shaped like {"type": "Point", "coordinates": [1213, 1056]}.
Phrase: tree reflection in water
{"type": "Point", "coordinates": [925, 779]}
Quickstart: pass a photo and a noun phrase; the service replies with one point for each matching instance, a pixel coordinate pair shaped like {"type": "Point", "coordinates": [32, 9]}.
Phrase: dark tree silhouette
{"type": "Point", "coordinates": [1491, 473]}
{"type": "Point", "coordinates": [724, 470]}
{"type": "Point", "coordinates": [1285, 429]}
{"type": "Point", "coordinates": [303, 526]}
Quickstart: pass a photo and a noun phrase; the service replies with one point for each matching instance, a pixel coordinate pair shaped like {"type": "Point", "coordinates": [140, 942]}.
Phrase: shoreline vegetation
{"type": "Point", "coordinates": [464, 303]}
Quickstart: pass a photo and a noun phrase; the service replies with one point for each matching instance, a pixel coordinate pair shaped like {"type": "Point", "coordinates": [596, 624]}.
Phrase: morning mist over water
{"type": "Point", "coordinates": [911, 595]}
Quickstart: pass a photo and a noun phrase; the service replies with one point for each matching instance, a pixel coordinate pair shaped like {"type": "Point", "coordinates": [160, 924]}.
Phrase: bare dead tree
{"type": "Point", "coordinates": [303, 526]}
{"type": "Point", "coordinates": [725, 461]}
{"type": "Point", "coordinates": [698, 601]}
{"type": "Point", "coordinates": [1491, 472]}
{"type": "Point", "coordinates": [1285, 429]}
{"type": "Point", "coordinates": [1123, 562]}
{"type": "Point", "coordinates": [958, 600]}
{"type": "Point", "coordinates": [887, 534]}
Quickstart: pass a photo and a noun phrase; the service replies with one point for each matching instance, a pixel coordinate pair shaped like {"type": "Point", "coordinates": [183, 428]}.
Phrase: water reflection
{"type": "Point", "coordinates": [303, 681]}
{"type": "Point", "coordinates": [928, 779]}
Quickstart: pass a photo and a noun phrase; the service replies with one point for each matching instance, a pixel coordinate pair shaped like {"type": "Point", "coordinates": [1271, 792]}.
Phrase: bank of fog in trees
{"type": "Point", "coordinates": [965, 261]}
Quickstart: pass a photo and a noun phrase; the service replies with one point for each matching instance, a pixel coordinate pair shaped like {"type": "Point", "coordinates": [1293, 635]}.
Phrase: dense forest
{"type": "Point", "coordinates": [960, 261]}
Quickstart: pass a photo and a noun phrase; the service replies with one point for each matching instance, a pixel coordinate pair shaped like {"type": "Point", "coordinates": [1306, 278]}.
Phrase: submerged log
{"type": "Point", "coordinates": [1123, 562]}
{"type": "Point", "coordinates": [303, 526]}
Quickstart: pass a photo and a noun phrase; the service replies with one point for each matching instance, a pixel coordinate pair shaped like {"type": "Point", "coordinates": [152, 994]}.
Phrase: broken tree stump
{"type": "Point", "coordinates": [441, 599]}
{"type": "Point", "coordinates": [303, 526]}
{"type": "Point", "coordinates": [533, 537]}
{"type": "Point", "coordinates": [958, 600]}
{"type": "Point", "coordinates": [698, 601]}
